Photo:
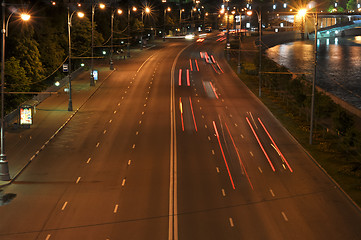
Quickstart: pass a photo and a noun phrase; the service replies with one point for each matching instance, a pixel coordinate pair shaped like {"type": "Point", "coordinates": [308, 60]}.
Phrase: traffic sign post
{"type": "Point", "coordinates": [65, 67]}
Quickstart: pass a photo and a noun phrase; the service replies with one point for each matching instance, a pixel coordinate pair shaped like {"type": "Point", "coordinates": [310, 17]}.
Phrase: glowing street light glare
{"type": "Point", "coordinates": [147, 10]}
{"type": "Point", "coordinates": [80, 14]}
{"type": "Point", "coordinates": [25, 16]}
{"type": "Point", "coordinates": [119, 11]}
{"type": "Point", "coordinates": [249, 13]}
{"type": "Point", "coordinates": [302, 12]}
{"type": "Point", "coordinates": [134, 9]}
{"type": "Point", "coordinates": [101, 5]}
{"type": "Point", "coordinates": [222, 11]}
{"type": "Point", "coordinates": [168, 9]}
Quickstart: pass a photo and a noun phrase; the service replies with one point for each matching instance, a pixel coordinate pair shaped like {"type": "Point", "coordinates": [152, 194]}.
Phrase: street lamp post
{"type": "Point", "coordinates": [227, 31]}
{"type": "Point", "coordinates": [313, 83]}
{"type": "Point", "coordinates": [134, 9]}
{"type": "Point", "coordinates": [180, 19]}
{"type": "Point", "coordinates": [119, 11]}
{"type": "Point", "coordinates": [70, 16]}
{"type": "Point", "coordinates": [92, 82]}
{"type": "Point", "coordinates": [4, 168]}
{"type": "Point", "coordinates": [165, 11]}
{"type": "Point", "coordinates": [240, 42]}
{"type": "Point", "coordinates": [147, 11]}
{"type": "Point", "coordinates": [259, 17]}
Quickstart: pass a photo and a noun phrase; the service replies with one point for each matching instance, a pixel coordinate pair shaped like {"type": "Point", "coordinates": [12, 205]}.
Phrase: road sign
{"type": "Point", "coordinates": [65, 67]}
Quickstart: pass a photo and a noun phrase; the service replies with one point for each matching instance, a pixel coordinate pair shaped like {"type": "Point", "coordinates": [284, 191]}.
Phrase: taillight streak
{"type": "Point", "coordinates": [188, 82]}
{"type": "Point", "coordinates": [214, 90]}
{"type": "Point", "coordinates": [219, 67]}
{"type": "Point", "coordinates": [260, 144]}
{"type": "Point", "coordinates": [181, 111]}
{"type": "Point", "coordinates": [180, 77]}
{"type": "Point", "coordinates": [239, 157]}
{"type": "Point", "coordinates": [275, 145]}
{"type": "Point", "coordinates": [214, 69]}
{"type": "Point", "coordinates": [224, 157]}
{"type": "Point", "coordinates": [194, 119]}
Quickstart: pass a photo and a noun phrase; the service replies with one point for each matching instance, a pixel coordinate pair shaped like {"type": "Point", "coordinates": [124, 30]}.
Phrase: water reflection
{"type": "Point", "coordinates": [338, 64]}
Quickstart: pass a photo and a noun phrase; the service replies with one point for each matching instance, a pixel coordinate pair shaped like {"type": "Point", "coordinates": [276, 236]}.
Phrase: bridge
{"type": "Point", "coordinates": [337, 29]}
{"type": "Point", "coordinates": [329, 24]}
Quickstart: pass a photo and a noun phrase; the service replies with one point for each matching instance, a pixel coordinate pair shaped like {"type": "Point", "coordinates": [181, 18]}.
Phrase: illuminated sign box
{"type": "Point", "coordinates": [26, 115]}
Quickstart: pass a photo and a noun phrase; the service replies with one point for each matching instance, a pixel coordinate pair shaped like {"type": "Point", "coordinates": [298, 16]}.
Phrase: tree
{"type": "Point", "coordinates": [81, 36]}
{"type": "Point", "coordinates": [28, 53]}
{"type": "Point", "coordinates": [52, 54]}
{"type": "Point", "coordinates": [351, 5]}
{"type": "Point", "coordinates": [15, 81]}
{"type": "Point", "coordinates": [343, 121]}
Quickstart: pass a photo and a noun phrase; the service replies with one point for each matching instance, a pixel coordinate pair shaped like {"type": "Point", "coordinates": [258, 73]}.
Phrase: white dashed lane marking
{"type": "Point", "coordinates": [64, 206]}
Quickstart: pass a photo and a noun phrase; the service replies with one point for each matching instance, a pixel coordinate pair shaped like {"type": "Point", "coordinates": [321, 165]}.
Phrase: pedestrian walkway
{"type": "Point", "coordinates": [22, 145]}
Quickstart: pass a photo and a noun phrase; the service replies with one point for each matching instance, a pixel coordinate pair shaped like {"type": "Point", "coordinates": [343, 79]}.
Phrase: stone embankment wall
{"type": "Point", "coordinates": [271, 40]}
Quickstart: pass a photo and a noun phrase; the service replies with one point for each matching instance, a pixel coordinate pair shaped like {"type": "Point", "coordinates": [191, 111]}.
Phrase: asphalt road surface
{"type": "Point", "coordinates": [174, 146]}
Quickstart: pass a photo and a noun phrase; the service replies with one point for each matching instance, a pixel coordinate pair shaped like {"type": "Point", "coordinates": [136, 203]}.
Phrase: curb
{"type": "Point", "coordinates": [5, 183]}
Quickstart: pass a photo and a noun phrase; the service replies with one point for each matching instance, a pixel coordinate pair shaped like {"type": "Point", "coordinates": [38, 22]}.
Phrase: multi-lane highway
{"type": "Point", "coordinates": [172, 146]}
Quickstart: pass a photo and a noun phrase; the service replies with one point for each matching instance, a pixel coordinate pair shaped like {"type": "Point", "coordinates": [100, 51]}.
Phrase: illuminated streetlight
{"type": "Point", "coordinates": [119, 11]}
{"type": "Point", "coordinates": [134, 9]}
{"type": "Point", "coordinates": [4, 169]}
{"type": "Point", "coordinates": [25, 17]}
{"type": "Point", "coordinates": [101, 6]}
{"type": "Point", "coordinates": [180, 20]}
{"type": "Point", "coordinates": [80, 14]}
{"type": "Point", "coordinates": [302, 13]}
{"type": "Point", "coordinates": [70, 16]}
{"type": "Point", "coordinates": [168, 9]}
{"type": "Point", "coordinates": [147, 11]}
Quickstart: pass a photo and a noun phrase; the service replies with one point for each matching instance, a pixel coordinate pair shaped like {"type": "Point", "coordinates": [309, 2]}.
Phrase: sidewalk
{"type": "Point", "coordinates": [23, 145]}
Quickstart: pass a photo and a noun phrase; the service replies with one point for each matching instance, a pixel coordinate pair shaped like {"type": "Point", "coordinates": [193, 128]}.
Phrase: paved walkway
{"type": "Point", "coordinates": [23, 145]}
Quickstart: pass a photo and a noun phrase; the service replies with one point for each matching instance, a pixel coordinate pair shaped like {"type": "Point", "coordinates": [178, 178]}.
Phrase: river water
{"type": "Point", "coordinates": [338, 64]}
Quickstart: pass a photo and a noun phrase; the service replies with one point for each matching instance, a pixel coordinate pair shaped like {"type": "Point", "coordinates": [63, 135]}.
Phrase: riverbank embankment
{"type": "Point", "coordinates": [272, 39]}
